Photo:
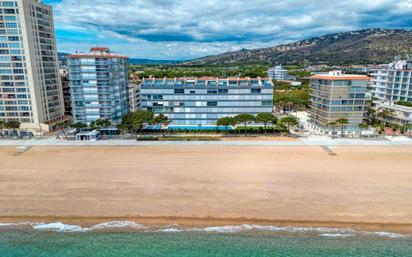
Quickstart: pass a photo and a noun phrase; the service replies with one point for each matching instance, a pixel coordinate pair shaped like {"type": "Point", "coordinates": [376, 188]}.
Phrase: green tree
{"type": "Point", "coordinates": [265, 119]}
{"type": "Point", "coordinates": [79, 125]}
{"type": "Point", "coordinates": [93, 125]}
{"type": "Point", "coordinates": [2, 126]}
{"type": "Point", "coordinates": [289, 121]}
{"type": "Point", "coordinates": [408, 127]}
{"type": "Point", "coordinates": [226, 122]}
{"type": "Point", "coordinates": [123, 128]}
{"type": "Point", "coordinates": [333, 125]}
{"type": "Point", "coordinates": [64, 125]}
{"type": "Point", "coordinates": [395, 127]}
{"type": "Point", "coordinates": [139, 119]}
{"type": "Point", "coordinates": [244, 119]}
{"type": "Point", "coordinates": [14, 125]}
{"type": "Point", "coordinates": [342, 122]}
{"type": "Point", "coordinates": [384, 114]}
{"type": "Point", "coordinates": [103, 123]}
{"type": "Point", "coordinates": [162, 121]}
{"type": "Point", "coordinates": [362, 126]}
{"type": "Point", "coordinates": [380, 128]}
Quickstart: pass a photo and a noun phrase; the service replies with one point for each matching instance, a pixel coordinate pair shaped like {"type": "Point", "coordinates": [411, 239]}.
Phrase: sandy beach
{"type": "Point", "coordinates": [360, 187]}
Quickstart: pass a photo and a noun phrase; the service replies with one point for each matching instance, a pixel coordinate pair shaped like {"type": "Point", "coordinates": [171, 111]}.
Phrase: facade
{"type": "Point", "coordinates": [401, 115]}
{"type": "Point", "coordinates": [98, 85]}
{"type": "Point", "coordinates": [202, 101]}
{"type": "Point", "coordinates": [334, 96]}
{"type": "Point", "coordinates": [134, 97]}
{"type": "Point", "coordinates": [64, 78]}
{"type": "Point", "coordinates": [30, 89]}
{"type": "Point", "coordinates": [393, 83]}
{"type": "Point", "coordinates": [279, 73]}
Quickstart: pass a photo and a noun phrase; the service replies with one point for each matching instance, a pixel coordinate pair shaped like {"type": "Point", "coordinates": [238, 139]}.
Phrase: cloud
{"type": "Point", "coordinates": [178, 29]}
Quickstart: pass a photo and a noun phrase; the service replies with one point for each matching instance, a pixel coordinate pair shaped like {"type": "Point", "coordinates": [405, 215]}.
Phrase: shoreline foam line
{"type": "Point", "coordinates": [60, 227]}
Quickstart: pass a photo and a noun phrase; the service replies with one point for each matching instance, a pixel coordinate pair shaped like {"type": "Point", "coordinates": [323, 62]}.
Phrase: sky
{"type": "Point", "coordinates": [188, 29]}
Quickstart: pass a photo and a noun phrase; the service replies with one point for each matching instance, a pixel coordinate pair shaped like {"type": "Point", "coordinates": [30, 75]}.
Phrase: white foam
{"type": "Point", "coordinates": [118, 224]}
{"type": "Point", "coordinates": [337, 235]}
{"type": "Point", "coordinates": [58, 227]}
{"type": "Point", "coordinates": [170, 230]}
{"type": "Point", "coordinates": [388, 234]}
{"type": "Point", "coordinates": [319, 231]}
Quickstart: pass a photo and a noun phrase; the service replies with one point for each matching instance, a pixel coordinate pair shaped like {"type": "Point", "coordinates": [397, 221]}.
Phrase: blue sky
{"type": "Point", "coordinates": [186, 29]}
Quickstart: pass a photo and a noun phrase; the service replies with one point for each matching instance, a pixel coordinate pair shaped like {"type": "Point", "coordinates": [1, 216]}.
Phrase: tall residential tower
{"type": "Point", "coordinates": [393, 83]}
{"type": "Point", "coordinates": [98, 85]}
{"type": "Point", "coordinates": [30, 89]}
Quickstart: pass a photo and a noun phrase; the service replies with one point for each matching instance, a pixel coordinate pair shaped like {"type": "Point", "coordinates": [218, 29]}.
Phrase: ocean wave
{"type": "Point", "coordinates": [336, 235]}
{"type": "Point", "coordinates": [130, 225]}
{"type": "Point", "coordinates": [58, 227]}
{"type": "Point", "coordinates": [388, 234]}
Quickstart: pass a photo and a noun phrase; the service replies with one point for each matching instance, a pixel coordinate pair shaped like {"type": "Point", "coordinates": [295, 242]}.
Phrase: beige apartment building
{"type": "Point", "coordinates": [334, 96]}
{"type": "Point", "coordinates": [30, 88]}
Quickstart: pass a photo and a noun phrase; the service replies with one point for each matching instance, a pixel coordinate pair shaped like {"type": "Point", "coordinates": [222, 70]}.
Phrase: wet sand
{"type": "Point", "coordinates": [360, 187]}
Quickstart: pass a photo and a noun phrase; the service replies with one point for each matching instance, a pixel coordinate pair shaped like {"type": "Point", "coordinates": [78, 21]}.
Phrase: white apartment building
{"type": "Point", "coordinates": [98, 85]}
{"type": "Point", "coordinates": [134, 97]}
{"type": "Point", "coordinates": [401, 115]}
{"type": "Point", "coordinates": [30, 88]}
{"type": "Point", "coordinates": [279, 73]}
{"type": "Point", "coordinates": [393, 83]}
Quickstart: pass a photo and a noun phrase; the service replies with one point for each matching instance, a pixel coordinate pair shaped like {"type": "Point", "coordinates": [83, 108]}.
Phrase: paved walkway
{"type": "Point", "coordinates": [310, 141]}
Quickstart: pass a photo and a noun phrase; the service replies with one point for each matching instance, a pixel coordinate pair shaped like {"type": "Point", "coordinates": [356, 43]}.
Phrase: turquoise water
{"type": "Point", "coordinates": [252, 243]}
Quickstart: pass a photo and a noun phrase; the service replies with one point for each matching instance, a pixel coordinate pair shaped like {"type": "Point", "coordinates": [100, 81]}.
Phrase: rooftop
{"type": "Point", "coordinates": [203, 81]}
{"type": "Point", "coordinates": [338, 75]}
{"type": "Point", "coordinates": [97, 52]}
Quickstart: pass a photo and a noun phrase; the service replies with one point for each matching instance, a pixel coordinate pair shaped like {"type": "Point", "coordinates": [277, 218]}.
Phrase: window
{"type": "Point", "coordinates": [266, 103]}
{"type": "Point", "coordinates": [179, 91]}
{"type": "Point", "coordinates": [255, 90]}
{"type": "Point", "coordinates": [211, 103]}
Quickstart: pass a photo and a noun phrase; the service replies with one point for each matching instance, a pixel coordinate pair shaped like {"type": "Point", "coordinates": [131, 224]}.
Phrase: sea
{"type": "Point", "coordinates": [129, 239]}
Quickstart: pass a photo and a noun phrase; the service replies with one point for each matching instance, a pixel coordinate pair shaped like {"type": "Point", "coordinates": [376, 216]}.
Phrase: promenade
{"type": "Point", "coordinates": [305, 141]}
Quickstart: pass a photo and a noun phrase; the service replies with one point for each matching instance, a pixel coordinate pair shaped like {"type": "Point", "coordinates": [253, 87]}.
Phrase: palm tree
{"type": "Point", "coordinates": [333, 125]}
{"type": "Point", "coordinates": [379, 127]}
{"type": "Point", "coordinates": [395, 127]}
{"type": "Point", "coordinates": [2, 126]}
{"type": "Point", "coordinates": [408, 127]}
{"type": "Point", "coordinates": [342, 122]}
{"type": "Point", "coordinates": [266, 118]}
{"type": "Point", "coordinates": [384, 113]}
{"type": "Point", "coordinates": [362, 126]}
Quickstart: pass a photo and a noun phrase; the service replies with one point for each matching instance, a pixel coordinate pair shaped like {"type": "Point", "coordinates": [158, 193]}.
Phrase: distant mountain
{"type": "Point", "coordinates": [355, 47]}
{"type": "Point", "coordinates": [149, 61]}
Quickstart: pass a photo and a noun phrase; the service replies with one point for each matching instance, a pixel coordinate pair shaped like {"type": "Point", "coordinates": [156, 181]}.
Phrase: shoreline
{"type": "Point", "coordinates": [189, 222]}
